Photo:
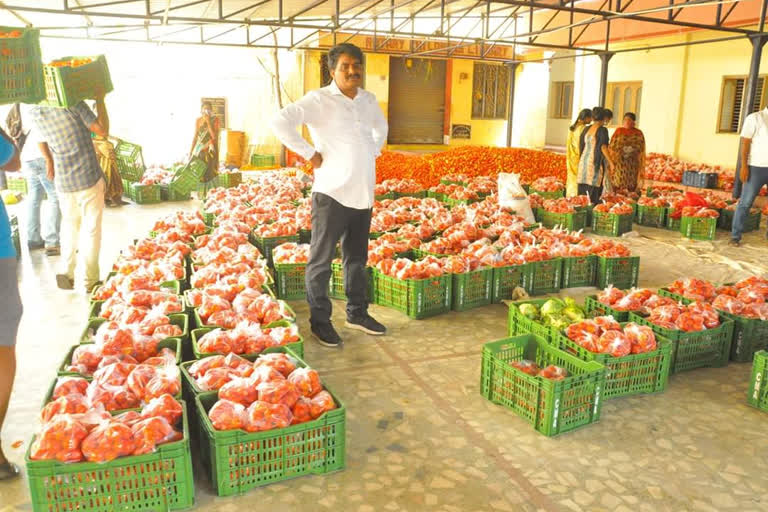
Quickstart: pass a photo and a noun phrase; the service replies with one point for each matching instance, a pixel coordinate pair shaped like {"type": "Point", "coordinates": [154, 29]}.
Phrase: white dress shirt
{"type": "Point", "coordinates": [348, 133]}
{"type": "Point", "coordinates": [756, 128]}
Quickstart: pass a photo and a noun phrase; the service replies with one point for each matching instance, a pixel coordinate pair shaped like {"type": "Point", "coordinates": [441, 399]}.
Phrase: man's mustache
{"type": "Point", "coordinates": [353, 76]}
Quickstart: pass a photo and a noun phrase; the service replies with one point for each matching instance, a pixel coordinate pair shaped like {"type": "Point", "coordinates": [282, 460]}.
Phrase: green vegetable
{"type": "Point", "coordinates": [569, 302]}
{"type": "Point", "coordinates": [529, 310]}
{"type": "Point", "coordinates": [559, 322]}
{"type": "Point", "coordinates": [552, 307]}
{"type": "Point", "coordinates": [574, 313]}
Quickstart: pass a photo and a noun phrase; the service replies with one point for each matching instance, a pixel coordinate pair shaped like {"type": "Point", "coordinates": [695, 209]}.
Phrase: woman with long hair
{"type": "Point", "coordinates": [596, 156]}
{"type": "Point", "coordinates": [573, 152]}
{"type": "Point", "coordinates": [628, 149]}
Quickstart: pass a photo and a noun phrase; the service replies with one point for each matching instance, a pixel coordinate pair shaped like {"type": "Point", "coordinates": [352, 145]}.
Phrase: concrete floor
{"type": "Point", "coordinates": [420, 436]}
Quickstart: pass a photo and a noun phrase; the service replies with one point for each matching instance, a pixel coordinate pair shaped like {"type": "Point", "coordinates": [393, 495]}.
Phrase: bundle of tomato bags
{"type": "Point", "coordinates": [561, 205]}
{"type": "Point", "coordinates": [746, 298]}
{"type": "Point", "coordinates": [637, 300]}
{"type": "Point", "coordinates": [281, 227]}
{"type": "Point", "coordinates": [483, 185]}
{"type": "Point", "coordinates": [400, 185]}
{"type": "Point", "coordinates": [615, 208]}
{"type": "Point", "coordinates": [251, 307]}
{"type": "Point", "coordinates": [548, 184]}
{"type": "Point", "coordinates": [697, 316]}
{"type": "Point", "coordinates": [272, 393]}
{"type": "Point", "coordinates": [551, 372]}
{"type": "Point", "coordinates": [156, 175]}
{"type": "Point", "coordinates": [73, 431]}
{"type": "Point", "coordinates": [655, 202]}
{"type": "Point", "coordinates": [697, 211]}
{"type": "Point", "coordinates": [115, 344]}
{"type": "Point", "coordinates": [291, 253]}
{"type": "Point", "coordinates": [120, 381]}
{"type": "Point", "coordinates": [403, 268]}
{"type": "Point", "coordinates": [145, 301]}
{"type": "Point", "coordinates": [187, 222]}
{"type": "Point", "coordinates": [247, 338]}
{"type": "Point", "coordinates": [604, 335]}
{"type": "Point", "coordinates": [162, 256]}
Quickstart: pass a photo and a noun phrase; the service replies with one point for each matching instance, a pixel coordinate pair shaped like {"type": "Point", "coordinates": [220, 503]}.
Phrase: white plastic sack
{"type": "Point", "coordinates": [512, 196]}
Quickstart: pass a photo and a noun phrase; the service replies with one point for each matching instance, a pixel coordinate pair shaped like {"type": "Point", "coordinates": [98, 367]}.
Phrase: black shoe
{"type": "Point", "coordinates": [326, 335]}
{"type": "Point", "coordinates": [64, 282]}
{"type": "Point", "coordinates": [367, 324]}
{"type": "Point", "coordinates": [35, 246]}
{"type": "Point", "coordinates": [734, 242]}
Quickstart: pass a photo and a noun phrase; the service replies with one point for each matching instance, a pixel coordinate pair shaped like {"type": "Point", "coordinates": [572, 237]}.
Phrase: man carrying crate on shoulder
{"type": "Point", "coordinates": [73, 165]}
{"type": "Point", "coordinates": [348, 130]}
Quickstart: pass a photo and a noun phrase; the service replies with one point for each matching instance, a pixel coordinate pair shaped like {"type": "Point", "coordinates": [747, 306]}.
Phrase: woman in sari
{"type": "Point", "coordinates": [628, 149]}
{"type": "Point", "coordinates": [596, 157]}
{"type": "Point", "coordinates": [105, 150]}
{"type": "Point", "coordinates": [205, 145]}
{"type": "Point", "coordinates": [572, 151]}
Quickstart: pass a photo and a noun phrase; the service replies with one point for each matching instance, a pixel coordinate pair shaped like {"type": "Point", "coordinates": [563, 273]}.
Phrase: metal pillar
{"type": "Point", "coordinates": [758, 41]}
{"type": "Point", "coordinates": [511, 107]}
{"type": "Point", "coordinates": [605, 57]}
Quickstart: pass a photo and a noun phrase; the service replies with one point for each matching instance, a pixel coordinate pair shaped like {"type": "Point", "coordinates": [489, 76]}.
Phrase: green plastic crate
{"type": "Point", "coordinates": [296, 348]}
{"type": "Point", "coordinates": [708, 348]}
{"type": "Point", "coordinates": [179, 319]}
{"type": "Point", "coordinates": [336, 289]}
{"type": "Point", "coordinates": [758, 392]}
{"type": "Point", "coordinates": [18, 185]}
{"type": "Point", "coordinates": [698, 228]}
{"type": "Point", "coordinates": [506, 279]}
{"type": "Point", "coordinates": [186, 178]}
{"type": "Point", "coordinates": [174, 344]}
{"type": "Point", "coordinates": [551, 407]}
{"type": "Point", "coordinates": [289, 280]}
{"type": "Point", "coordinates": [672, 223]}
{"type": "Point", "coordinates": [268, 243]}
{"type": "Point", "coordinates": [238, 461]}
{"type": "Point", "coordinates": [611, 224]}
{"type": "Point", "coordinates": [594, 308]}
{"type": "Point", "coordinates": [472, 289]}
{"type": "Point", "coordinates": [652, 216]}
{"type": "Point", "coordinates": [262, 160]}
{"type": "Point", "coordinates": [205, 187]}
{"type": "Point", "coordinates": [305, 236]}
{"type": "Point", "coordinates": [155, 482]}
{"type": "Point", "coordinates": [752, 223]}
{"type": "Point", "coordinates": [557, 194]}
{"type": "Point", "coordinates": [417, 298]}
{"type": "Point", "coordinates": [750, 335]}
{"type": "Point", "coordinates": [570, 221]}
{"type": "Point", "coordinates": [421, 194]}
{"type": "Point", "coordinates": [230, 179]}
{"type": "Point", "coordinates": [421, 254]}
{"type": "Point", "coordinates": [383, 197]}
{"type": "Point", "coordinates": [169, 194]}
{"type": "Point", "coordinates": [579, 271]}
{"type": "Point", "coordinates": [545, 276]}
{"type": "Point", "coordinates": [519, 324]}
{"type": "Point", "coordinates": [21, 68]}
{"type": "Point", "coordinates": [130, 161]}
{"type": "Point", "coordinates": [66, 86]}
{"type": "Point", "coordinates": [634, 374]}
{"type": "Point", "coordinates": [620, 272]}
{"type": "Point", "coordinates": [143, 194]}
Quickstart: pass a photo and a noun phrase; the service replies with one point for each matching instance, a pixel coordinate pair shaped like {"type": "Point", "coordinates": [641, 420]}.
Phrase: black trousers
{"type": "Point", "coordinates": [331, 222]}
{"type": "Point", "coordinates": [593, 192]}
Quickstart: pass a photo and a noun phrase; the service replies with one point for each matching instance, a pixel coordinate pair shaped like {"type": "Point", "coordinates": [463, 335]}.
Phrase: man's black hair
{"type": "Point", "coordinates": [343, 49]}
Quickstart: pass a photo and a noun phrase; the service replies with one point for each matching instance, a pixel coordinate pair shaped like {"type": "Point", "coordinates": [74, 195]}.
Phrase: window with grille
{"type": "Point", "coordinates": [490, 87]}
{"type": "Point", "coordinates": [732, 102]}
{"type": "Point", "coordinates": [561, 104]}
{"type": "Point", "coordinates": [624, 97]}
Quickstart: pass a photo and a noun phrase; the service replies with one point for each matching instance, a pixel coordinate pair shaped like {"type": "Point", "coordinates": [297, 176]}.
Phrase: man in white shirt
{"type": "Point", "coordinates": [348, 130]}
{"type": "Point", "coordinates": [754, 168]}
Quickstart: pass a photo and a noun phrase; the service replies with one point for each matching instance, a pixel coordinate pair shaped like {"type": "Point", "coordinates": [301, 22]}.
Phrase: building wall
{"type": "Point", "coordinates": [157, 91]}
{"type": "Point", "coordinates": [560, 70]}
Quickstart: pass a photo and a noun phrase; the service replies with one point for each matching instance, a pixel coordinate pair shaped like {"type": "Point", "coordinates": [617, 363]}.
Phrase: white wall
{"type": "Point", "coordinates": [560, 70]}
{"type": "Point", "coordinates": [157, 90]}
{"type": "Point", "coordinates": [529, 124]}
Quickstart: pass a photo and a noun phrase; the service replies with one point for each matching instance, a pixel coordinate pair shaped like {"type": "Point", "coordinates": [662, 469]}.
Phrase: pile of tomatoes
{"type": "Point", "coordinates": [291, 253]}
{"type": "Point", "coordinates": [74, 430]}
{"type": "Point", "coordinates": [746, 298]}
{"type": "Point", "coordinates": [548, 184]}
{"type": "Point", "coordinates": [636, 300]}
{"type": "Point", "coordinates": [270, 393]}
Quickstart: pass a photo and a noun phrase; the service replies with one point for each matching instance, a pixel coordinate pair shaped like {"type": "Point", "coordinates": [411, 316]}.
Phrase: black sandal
{"type": "Point", "coordinates": [9, 471]}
